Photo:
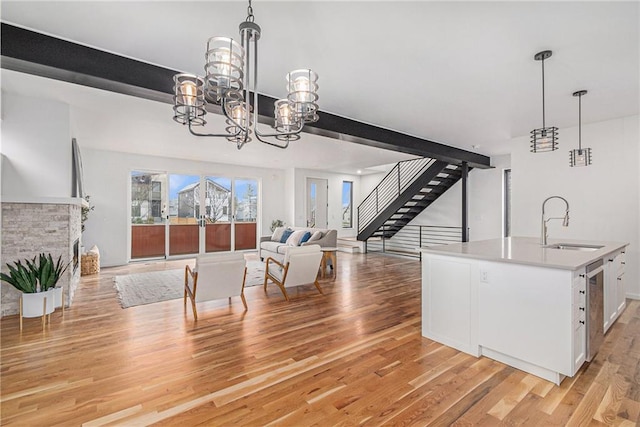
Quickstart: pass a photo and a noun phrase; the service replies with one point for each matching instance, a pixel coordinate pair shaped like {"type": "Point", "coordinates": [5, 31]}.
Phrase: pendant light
{"type": "Point", "coordinates": [581, 156]}
{"type": "Point", "coordinates": [544, 138]}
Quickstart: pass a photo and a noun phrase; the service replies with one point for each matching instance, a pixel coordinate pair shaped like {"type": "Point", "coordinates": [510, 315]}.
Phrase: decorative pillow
{"type": "Point", "coordinates": [296, 236]}
{"type": "Point", "coordinates": [305, 237]}
{"type": "Point", "coordinates": [285, 235]}
{"type": "Point", "coordinates": [316, 236]}
{"type": "Point", "coordinates": [277, 234]}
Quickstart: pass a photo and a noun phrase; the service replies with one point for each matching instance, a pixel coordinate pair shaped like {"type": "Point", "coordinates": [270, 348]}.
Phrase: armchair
{"type": "Point", "coordinates": [300, 267]}
{"type": "Point", "coordinates": [215, 276]}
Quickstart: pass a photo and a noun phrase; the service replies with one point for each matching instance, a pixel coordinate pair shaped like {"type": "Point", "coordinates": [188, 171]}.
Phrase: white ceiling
{"type": "Point", "coordinates": [460, 73]}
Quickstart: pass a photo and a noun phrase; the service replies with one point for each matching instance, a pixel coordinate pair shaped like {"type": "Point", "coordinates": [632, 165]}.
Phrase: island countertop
{"type": "Point", "coordinates": [528, 251]}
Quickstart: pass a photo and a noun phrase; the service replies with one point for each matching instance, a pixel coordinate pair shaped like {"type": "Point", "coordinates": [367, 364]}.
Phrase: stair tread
{"type": "Point", "coordinates": [440, 179]}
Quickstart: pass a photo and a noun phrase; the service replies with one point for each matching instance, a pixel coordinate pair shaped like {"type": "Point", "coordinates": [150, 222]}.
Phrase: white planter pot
{"type": "Point", "coordinates": [57, 297]}
{"type": "Point", "coordinates": [33, 304]}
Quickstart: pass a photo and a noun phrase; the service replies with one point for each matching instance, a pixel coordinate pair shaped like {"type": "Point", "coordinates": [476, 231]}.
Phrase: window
{"type": "Point", "coordinates": [506, 203]}
{"type": "Point", "coordinates": [156, 208]}
{"type": "Point", "coordinates": [347, 204]}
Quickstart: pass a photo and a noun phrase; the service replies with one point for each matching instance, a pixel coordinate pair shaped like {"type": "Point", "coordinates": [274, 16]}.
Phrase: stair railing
{"type": "Point", "coordinates": [391, 186]}
{"type": "Point", "coordinates": [411, 238]}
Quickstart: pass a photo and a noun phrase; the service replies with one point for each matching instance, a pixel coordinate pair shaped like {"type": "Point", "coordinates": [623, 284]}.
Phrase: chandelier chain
{"type": "Point", "coordinates": [250, 17]}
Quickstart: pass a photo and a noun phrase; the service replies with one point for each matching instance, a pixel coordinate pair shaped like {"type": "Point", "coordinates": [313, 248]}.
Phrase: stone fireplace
{"type": "Point", "coordinates": [50, 225]}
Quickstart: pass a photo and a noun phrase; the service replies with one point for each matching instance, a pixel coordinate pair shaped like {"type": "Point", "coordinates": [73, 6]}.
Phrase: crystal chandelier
{"type": "Point", "coordinates": [544, 138]}
{"type": "Point", "coordinates": [581, 156]}
{"type": "Point", "coordinates": [231, 80]}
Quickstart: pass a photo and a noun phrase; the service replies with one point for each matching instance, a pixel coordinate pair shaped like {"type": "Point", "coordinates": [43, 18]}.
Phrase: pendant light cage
{"type": "Point", "coordinates": [580, 156]}
{"type": "Point", "coordinates": [188, 99]}
{"type": "Point", "coordinates": [544, 138]}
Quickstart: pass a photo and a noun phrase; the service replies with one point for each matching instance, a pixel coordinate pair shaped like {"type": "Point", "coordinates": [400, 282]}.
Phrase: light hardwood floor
{"type": "Point", "coordinates": [351, 356]}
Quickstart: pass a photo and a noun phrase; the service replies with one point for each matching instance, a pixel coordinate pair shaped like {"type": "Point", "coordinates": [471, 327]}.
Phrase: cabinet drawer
{"type": "Point", "coordinates": [579, 293]}
{"type": "Point", "coordinates": [621, 261]}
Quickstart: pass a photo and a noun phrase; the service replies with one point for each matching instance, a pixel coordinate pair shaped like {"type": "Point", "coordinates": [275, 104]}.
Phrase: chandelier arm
{"type": "Point", "coordinates": [221, 135]}
{"type": "Point", "coordinates": [264, 141]}
{"type": "Point", "coordinates": [271, 135]}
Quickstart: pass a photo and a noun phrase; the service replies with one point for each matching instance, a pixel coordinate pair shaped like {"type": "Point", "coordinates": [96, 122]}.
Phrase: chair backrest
{"type": "Point", "coordinates": [219, 275]}
{"type": "Point", "coordinates": [304, 262]}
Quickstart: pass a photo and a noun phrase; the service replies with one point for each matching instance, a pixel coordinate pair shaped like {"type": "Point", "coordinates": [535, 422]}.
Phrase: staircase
{"type": "Point", "coordinates": [408, 189]}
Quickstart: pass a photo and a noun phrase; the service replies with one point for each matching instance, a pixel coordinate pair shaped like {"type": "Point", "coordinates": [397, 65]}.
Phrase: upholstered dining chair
{"type": "Point", "coordinates": [215, 276]}
{"type": "Point", "coordinates": [299, 267]}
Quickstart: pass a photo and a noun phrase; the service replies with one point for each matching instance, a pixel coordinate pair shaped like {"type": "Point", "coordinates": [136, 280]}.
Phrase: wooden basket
{"type": "Point", "coordinates": [90, 264]}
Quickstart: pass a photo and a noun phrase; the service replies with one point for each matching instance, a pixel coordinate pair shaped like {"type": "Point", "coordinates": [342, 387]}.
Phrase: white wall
{"type": "Point", "coordinates": [107, 178]}
{"type": "Point", "coordinates": [604, 197]}
{"type": "Point", "coordinates": [334, 199]}
{"type": "Point", "coordinates": [36, 148]}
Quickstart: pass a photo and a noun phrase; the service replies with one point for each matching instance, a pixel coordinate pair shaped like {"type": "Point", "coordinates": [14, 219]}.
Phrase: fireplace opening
{"type": "Point", "coordinates": [76, 254]}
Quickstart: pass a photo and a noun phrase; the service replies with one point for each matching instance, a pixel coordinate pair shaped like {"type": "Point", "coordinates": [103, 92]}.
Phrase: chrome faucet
{"type": "Point", "coordinates": [565, 219]}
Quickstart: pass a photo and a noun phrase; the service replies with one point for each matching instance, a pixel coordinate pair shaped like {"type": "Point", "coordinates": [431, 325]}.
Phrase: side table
{"type": "Point", "coordinates": [329, 253]}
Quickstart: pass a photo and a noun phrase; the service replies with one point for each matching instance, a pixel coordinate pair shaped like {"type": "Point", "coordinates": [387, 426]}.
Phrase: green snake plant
{"type": "Point", "coordinates": [37, 275]}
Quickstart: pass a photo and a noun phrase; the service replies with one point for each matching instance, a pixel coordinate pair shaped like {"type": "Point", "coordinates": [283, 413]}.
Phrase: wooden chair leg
{"type": "Point", "coordinates": [244, 301]}
{"type": "Point", "coordinates": [193, 307]}
{"type": "Point", "coordinates": [318, 286]}
{"type": "Point", "coordinates": [282, 289]}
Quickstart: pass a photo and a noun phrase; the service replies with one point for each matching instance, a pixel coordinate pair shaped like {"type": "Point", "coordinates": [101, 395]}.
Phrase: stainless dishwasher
{"type": "Point", "coordinates": [595, 304]}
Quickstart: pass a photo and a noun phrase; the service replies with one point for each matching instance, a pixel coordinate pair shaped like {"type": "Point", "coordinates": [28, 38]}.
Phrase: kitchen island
{"type": "Point", "coordinates": [519, 302]}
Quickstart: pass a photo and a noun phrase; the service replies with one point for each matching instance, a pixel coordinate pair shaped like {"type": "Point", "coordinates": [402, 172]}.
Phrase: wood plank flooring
{"type": "Point", "coordinates": [352, 356]}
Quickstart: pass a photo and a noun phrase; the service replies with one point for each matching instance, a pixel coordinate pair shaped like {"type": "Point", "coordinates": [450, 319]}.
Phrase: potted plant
{"type": "Point", "coordinates": [276, 223]}
{"type": "Point", "coordinates": [85, 212]}
{"type": "Point", "coordinates": [36, 280]}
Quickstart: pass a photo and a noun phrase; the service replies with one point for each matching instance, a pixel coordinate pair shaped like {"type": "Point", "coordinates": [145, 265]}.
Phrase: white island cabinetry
{"type": "Point", "coordinates": [614, 289]}
{"type": "Point", "coordinates": [509, 300]}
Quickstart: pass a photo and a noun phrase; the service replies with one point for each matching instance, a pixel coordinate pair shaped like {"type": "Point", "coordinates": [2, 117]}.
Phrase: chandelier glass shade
{"type": "Point", "coordinates": [544, 138]}
{"type": "Point", "coordinates": [231, 80]}
{"type": "Point", "coordinates": [580, 156]}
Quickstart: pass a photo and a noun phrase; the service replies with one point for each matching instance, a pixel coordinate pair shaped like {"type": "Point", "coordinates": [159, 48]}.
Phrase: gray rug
{"type": "Point", "coordinates": [156, 286]}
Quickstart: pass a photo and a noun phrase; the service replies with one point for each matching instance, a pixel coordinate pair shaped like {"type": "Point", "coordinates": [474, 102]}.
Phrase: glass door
{"type": "Point", "coordinates": [178, 215]}
{"type": "Point", "coordinates": [217, 215]}
{"type": "Point", "coordinates": [317, 207]}
{"type": "Point", "coordinates": [148, 214]}
{"type": "Point", "coordinates": [245, 213]}
{"type": "Point", "coordinates": [184, 215]}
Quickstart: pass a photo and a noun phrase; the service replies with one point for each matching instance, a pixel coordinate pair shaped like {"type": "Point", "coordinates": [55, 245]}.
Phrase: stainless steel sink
{"type": "Point", "coordinates": [574, 247]}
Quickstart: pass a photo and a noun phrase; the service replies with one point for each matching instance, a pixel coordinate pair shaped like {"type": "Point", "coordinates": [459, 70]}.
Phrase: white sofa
{"type": "Point", "coordinates": [277, 250]}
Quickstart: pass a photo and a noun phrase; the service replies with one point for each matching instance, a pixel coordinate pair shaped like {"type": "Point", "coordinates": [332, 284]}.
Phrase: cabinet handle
{"type": "Point", "coordinates": [582, 321]}
{"type": "Point", "coordinates": [619, 278]}
{"type": "Point", "coordinates": [610, 260]}
{"type": "Point", "coordinates": [623, 263]}
{"type": "Point", "coordinates": [582, 292]}
{"type": "Point", "coordinates": [623, 252]}
{"type": "Point", "coordinates": [581, 308]}
{"type": "Point", "coordinates": [582, 275]}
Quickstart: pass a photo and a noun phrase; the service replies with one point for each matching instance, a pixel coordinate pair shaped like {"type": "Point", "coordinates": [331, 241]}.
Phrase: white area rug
{"type": "Point", "coordinates": [156, 286]}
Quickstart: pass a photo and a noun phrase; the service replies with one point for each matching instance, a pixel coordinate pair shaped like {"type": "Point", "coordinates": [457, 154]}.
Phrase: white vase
{"type": "Point", "coordinates": [57, 297]}
{"type": "Point", "coordinates": [34, 304]}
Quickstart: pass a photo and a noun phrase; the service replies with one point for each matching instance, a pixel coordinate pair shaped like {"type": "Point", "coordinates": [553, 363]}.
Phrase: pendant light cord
{"type": "Point", "coordinates": [543, 122]}
{"type": "Point", "coordinates": [580, 123]}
